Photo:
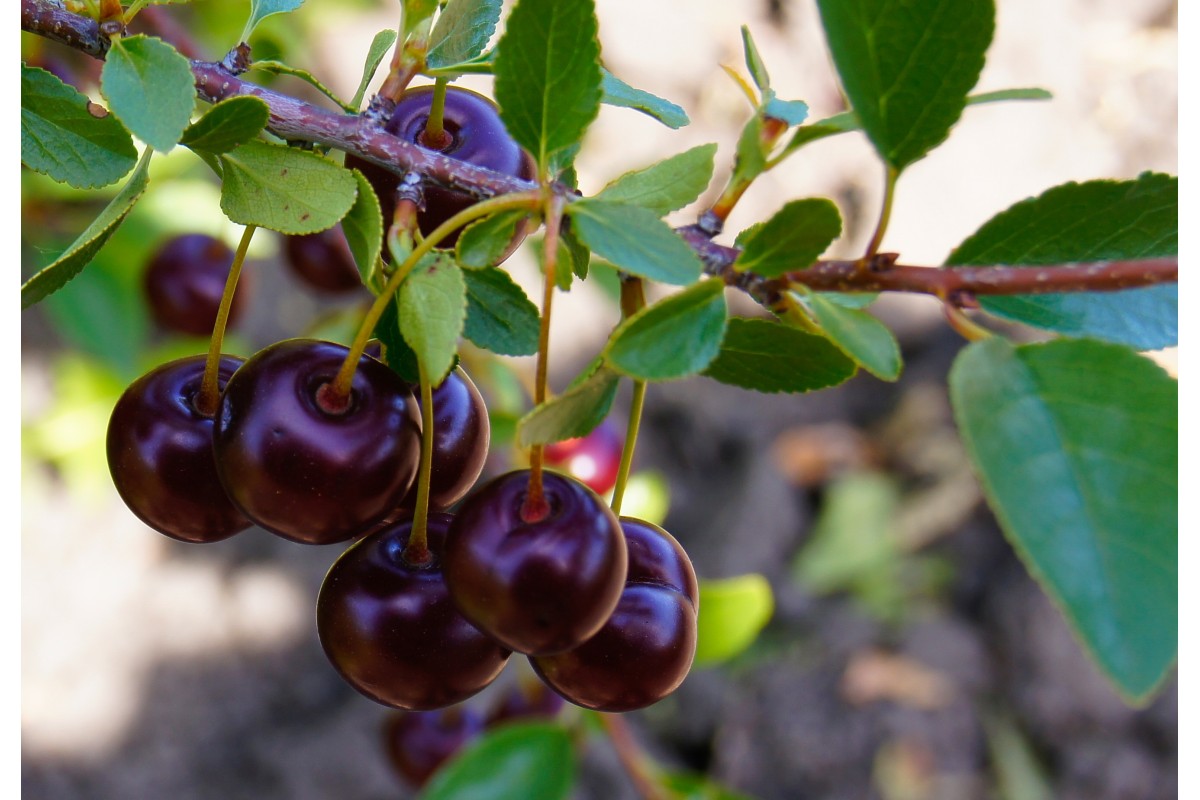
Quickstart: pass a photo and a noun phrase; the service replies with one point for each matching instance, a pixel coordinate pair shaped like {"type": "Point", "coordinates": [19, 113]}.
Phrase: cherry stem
{"type": "Point", "coordinates": [636, 763]}
{"type": "Point", "coordinates": [535, 506]}
{"type": "Point", "coordinates": [435, 136]}
{"type": "Point", "coordinates": [210, 392]}
{"type": "Point", "coordinates": [964, 325]}
{"type": "Point", "coordinates": [633, 299]}
{"type": "Point", "coordinates": [885, 211]}
{"type": "Point", "coordinates": [417, 550]}
{"type": "Point", "coordinates": [341, 383]}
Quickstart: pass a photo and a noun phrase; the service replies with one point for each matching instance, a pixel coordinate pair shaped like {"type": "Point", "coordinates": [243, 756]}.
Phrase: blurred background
{"type": "Point", "coordinates": [909, 656]}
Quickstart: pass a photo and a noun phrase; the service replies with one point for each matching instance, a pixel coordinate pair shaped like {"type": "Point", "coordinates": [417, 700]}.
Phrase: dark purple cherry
{"type": "Point", "coordinates": [301, 468]}
{"type": "Point", "coordinates": [391, 630]}
{"type": "Point", "coordinates": [418, 742]}
{"type": "Point", "coordinates": [529, 699]}
{"type": "Point", "coordinates": [540, 585]}
{"type": "Point", "coordinates": [646, 648]}
{"type": "Point", "coordinates": [476, 135]}
{"type": "Point", "coordinates": [160, 454]}
{"type": "Point", "coordinates": [323, 260]}
{"type": "Point", "coordinates": [461, 432]}
{"type": "Point", "coordinates": [184, 282]}
{"type": "Point", "coordinates": [594, 459]}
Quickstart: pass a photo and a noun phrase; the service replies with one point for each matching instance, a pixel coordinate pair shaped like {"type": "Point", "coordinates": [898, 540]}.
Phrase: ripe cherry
{"type": "Point", "coordinates": [323, 260]}
{"type": "Point", "coordinates": [302, 468]}
{"type": "Point", "coordinates": [418, 742]}
{"type": "Point", "coordinates": [646, 648]}
{"type": "Point", "coordinates": [543, 584]}
{"type": "Point", "coordinates": [391, 630]}
{"type": "Point", "coordinates": [594, 459]}
{"type": "Point", "coordinates": [461, 432]}
{"type": "Point", "coordinates": [184, 282]}
{"type": "Point", "coordinates": [476, 135]}
{"type": "Point", "coordinates": [160, 454]}
{"type": "Point", "coordinates": [529, 699]}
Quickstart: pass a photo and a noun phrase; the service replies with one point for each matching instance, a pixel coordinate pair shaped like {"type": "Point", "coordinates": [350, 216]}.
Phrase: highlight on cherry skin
{"type": "Point", "coordinates": [476, 135]}
{"type": "Point", "coordinates": [645, 649]}
{"type": "Point", "coordinates": [160, 454]}
{"type": "Point", "coordinates": [184, 281]}
{"type": "Point", "coordinates": [389, 627]}
{"type": "Point", "coordinates": [539, 582]}
{"type": "Point", "coordinates": [299, 466]}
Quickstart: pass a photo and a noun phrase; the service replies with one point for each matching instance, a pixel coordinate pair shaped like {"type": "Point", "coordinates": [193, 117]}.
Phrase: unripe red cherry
{"type": "Point", "coordinates": [476, 136]}
{"type": "Point", "coordinates": [301, 468]}
{"type": "Point", "coordinates": [184, 282]}
{"type": "Point", "coordinates": [389, 626]}
{"type": "Point", "coordinates": [323, 260]}
{"type": "Point", "coordinates": [539, 585]}
{"type": "Point", "coordinates": [418, 742]}
{"type": "Point", "coordinates": [645, 649]}
{"type": "Point", "coordinates": [594, 459]}
{"type": "Point", "coordinates": [160, 454]}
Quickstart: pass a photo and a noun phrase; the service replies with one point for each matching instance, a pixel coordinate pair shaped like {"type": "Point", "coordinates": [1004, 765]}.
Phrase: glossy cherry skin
{"type": "Point", "coordinates": [418, 742]}
{"type": "Point", "coordinates": [645, 650]}
{"type": "Point", "coordinates": [527, 700]}
{"type": "Point", "coordinates": [323, 260]}
{"type": "Point", "coordinates": [541, 586]}
{"type": "Point", "coordinates": [594, 459]}
{"type": "Point", "coordinates": [477, 136]}
{"type": "Point", "coordinates": [160, 454]}
{"type": "Point", "coordinates": [391, 630]}
{"type": "Point", "coordinates": [184, 282]}
{"type": "Point", "coordinates": [301, 471]}
{"type": "Point", "coordinates": [461, 433]}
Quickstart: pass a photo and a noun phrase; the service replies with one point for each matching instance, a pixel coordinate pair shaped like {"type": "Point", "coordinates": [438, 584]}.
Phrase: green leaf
{"type": "Point", "coordinates": [1076, 445]}
{"type": "Point", "coordinates": [284, 189]}
{"type": "Point", "coordinates": [673, 338]}
{"type": "Point", "coordinates": [150, 87]}
{"type": "Point", "coordinates": [520, 759]}
{"type": "Point", "coordinates": [621, 94]}
{"type": "Point", "coordinates": [52, 278]}
{"type": "Point", "coordinates": [666, 186]}
{"type": "Point", "coordinates": [433, 308]}
{"type": "Point", "coordinates": [416, 12]}
{"type": "Point", "coordinates": [754, 62]}
{"type": "Point", "coordinates": [1004, 95]}
{"type": "Point", "coordinates": [854, 539]}
{"type": "Point", "coordinates": [280, 68]}
{"type": "Point", "coordinates": [69, 138]}
{"type": "Point", "coordinates": [261, 9]}
{"type": "Point", "coordinates": [686, 786]}
{"type": "Point", "coordinates": [765, 356]}
{"type": "Point", "coordinates": [380, 45]}
{"type": "Point", "coordinates": [396, 352]}
{"type": "Point", "coordinates": [573, 413]}
{"type": "Point", "coordinates": [482, 244]}
{"type": "Point", "coordinates": [363, 226]}
{"type": "Point", "coordinates": [907, 67]}
{"type": "Point", "coordinates": [859, 335]}
{"type": "Point", "coordinates": [103, 315]}
{"type": "Point", "coordinates": [227, 125]}
{"type": "Point", "coordinates": [577, 252]}
{"type": "Point", "coordinates": [500, 317]}
{"type": "Point", "coordinates": [462, 32]}
{"type": "Point", "coordinates": [792, 239]}
{"type": "Point", "coordinates": [635, 240]}
{"type": "Point", "coordinates": [1093, 221]}
{"type": "Point", "coordinates": [548, 75]}
{"type": "Point", "coordinates": [732, 612]}
{"type": "Point", "coordinates": [751, 157]}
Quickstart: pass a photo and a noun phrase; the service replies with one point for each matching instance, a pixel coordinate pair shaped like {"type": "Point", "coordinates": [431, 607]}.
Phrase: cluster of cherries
{"type": "Point", "coordinates": [420, 612]}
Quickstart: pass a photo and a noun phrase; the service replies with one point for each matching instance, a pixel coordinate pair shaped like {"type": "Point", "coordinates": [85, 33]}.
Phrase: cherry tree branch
{"type": "Point", "coordinates": [362, 135]}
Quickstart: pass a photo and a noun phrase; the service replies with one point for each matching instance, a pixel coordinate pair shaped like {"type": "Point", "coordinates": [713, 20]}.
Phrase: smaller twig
{"type": "Point", "coordinates": [632, 758]}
